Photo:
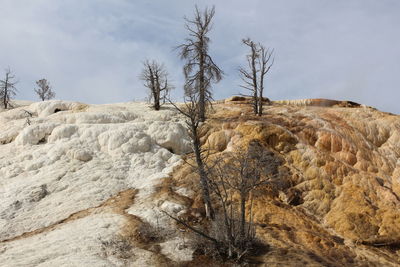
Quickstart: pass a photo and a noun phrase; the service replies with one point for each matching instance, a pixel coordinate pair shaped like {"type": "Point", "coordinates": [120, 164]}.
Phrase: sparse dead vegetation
{"type": "Point", "coordinates": [118, 247]}
{"type": "Point", "coordinates": [148, 234]}
{"type": "Point", "coordinates": [233, 177]}
{"type": "Point", "coordinates": [7, 88]}
{"type": "Point", "coordinates": [259, 62]}
{"type": "Point", "coordinates": [155, 78]}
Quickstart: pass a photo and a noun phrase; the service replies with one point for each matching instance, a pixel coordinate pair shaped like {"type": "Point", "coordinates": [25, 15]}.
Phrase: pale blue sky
{"type": "Point", "coordinates": [91, 51]}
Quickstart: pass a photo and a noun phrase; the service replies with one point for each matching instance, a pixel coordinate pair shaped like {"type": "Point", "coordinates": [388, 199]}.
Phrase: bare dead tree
{"type": "Point", "coordinates": [200, 70]}
{"type": "Point", "coordinates": [250, 76]}
{"type": "Point", "coordinates": [265, 64]}
{"type": "Point", "coordinates": [7, 88]}
{"type": "Point", "coordinates": [236, 173]}
{"type": "Point", "coordinates": [44, 90]}
{"type": "Point", "coordinates": [194, 126]}
{"type": "Point", "coordinates": [240, 173]}
{"type": "Point", "coordinates": [155, 78]}
{"type": "Point", "coordinates": [259, 62]}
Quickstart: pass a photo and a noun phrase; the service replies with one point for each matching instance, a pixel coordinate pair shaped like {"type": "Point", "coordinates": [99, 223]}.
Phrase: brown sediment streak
{"type": "Point", "coordinates": [116, 204]}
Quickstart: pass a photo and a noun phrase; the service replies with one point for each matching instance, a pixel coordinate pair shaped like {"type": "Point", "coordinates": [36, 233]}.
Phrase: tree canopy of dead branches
{"type": "Point", "coordinates": [233, 178]}
{"type": "Point", "coordinates": [44, 90]}
{"type": "Point", "coordinates": [7, 88]}
{"type": "Point", "coordinates": [200, 70]}
{"type": "Point", "coordinates": [155, 78]}
{"type": "Point", "coordinates": [259, 62]}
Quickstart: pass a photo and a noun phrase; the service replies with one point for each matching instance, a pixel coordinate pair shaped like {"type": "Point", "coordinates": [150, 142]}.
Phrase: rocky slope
{"type": "Point", "coordinates": [341, 203]}
{"type": "Point", "coordinates": [84, 184]}
{"type": "Point", "coordinates": [75, 181]}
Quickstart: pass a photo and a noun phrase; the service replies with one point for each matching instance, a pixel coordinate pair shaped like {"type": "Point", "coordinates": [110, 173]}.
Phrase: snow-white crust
{"type": "Point", "coordinates": [58, 158]}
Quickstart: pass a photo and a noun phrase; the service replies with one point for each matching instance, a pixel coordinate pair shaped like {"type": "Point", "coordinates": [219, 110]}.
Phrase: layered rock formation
{"type": "Point", "coordinates": [83, 184]}
{"type": "Point", "coordinates": [344, 174]}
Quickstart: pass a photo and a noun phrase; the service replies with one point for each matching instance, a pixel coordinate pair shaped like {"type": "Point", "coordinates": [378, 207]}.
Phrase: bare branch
{"type": "Point", "coordinates": [201, 233]}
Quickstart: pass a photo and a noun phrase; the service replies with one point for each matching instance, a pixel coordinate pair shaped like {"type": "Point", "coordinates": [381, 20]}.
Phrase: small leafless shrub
{"type": "Point", "coordinates": [220, 250]}
{"type": "Point", "coordinates": [203, 246]}
{"type": "Point", "coordinates": [147, 233]}
{"type": "Point", "coordinates": [118, 247]}
{"type": "Point", "coordinates": [28, 116]}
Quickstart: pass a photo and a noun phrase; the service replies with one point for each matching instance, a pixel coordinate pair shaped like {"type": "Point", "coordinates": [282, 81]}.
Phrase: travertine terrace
{"type": "Point", "coordinates": [341, 200]}
{"type": "Point", "coordinates": [74, 177]}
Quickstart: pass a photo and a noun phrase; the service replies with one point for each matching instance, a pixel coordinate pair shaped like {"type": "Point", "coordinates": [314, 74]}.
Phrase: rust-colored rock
{"type": "Point", "coordinates": [343, 195]}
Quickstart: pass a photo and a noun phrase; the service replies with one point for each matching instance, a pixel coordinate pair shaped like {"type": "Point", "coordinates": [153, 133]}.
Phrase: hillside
{"type": "Point", "coordinates": [84, 185]}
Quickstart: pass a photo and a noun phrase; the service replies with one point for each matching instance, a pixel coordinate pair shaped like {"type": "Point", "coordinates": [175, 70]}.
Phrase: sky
{"type": "Point", "coordinates": [92, 51]}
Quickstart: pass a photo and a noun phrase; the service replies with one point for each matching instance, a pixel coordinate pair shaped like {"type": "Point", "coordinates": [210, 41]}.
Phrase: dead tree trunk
{"type": "Point", "coordinates": [203, 175]}
{"type": "Point", "coordinates": [242, 215]}
{"type": "Point", "coordinates": [265, 66]}
{"type": "Point", "coordinates": [202, 89]}
{"type": "Point", "coordinates": [258, 61]}
{"type": "Point", "coordinates": [193, 123]}
{"type": "Point", "coordinates": [250, 76]}
{"type": "Point", "coordinates": [5, 94]}
{"type": "Point", "coordinates": [7, 88]}
{"type": "Point", "coordinates": [253, 58]}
